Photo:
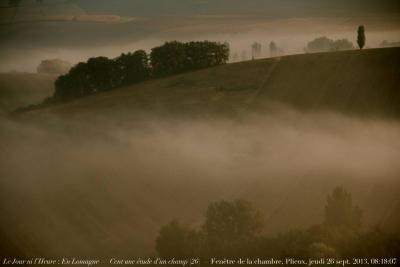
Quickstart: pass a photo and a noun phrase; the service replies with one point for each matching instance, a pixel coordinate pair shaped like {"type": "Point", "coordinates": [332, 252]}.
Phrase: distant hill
{"type": "Point", "coordinates": [361, 83]}
{"type": "Point", "coordinates": [52, 11]}
{"type": "Point", "coordinates": [31, 11]}
{"type": "Point", "coordinates": [272, 8]}
{"type": "Point", "coordinates": [118, 11]}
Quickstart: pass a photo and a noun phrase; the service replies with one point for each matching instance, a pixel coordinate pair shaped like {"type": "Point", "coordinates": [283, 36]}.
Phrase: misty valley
{"type": "Point", "coordinates": [111, 188]}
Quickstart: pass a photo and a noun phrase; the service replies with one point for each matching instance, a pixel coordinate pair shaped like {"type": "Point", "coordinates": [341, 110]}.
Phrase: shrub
{"type": "Point", "coordinates": [53, 66]}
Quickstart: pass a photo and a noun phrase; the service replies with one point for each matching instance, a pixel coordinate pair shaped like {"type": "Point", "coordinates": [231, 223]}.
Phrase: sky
{"type": "Point", "coordinates": [197, 7]}
{"type": "Point", "coordinates": [271, 7]}
{"type": "Point", "coordinates": [33, 32]}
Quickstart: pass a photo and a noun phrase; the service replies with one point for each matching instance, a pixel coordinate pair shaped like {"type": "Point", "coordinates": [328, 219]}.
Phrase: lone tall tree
{"type": "Point", "coordinates": [255, 50]}
{"type": "Point", "coordinates": [361, 36]}
{"type": "Point", "coordinates": [273, 49]}
{"type": "Point", "coordinates": [340, 211]}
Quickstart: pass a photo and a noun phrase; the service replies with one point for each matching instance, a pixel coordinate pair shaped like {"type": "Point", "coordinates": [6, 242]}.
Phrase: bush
{"type": "Point", "coordinates": [53, 66]}
{"type": "Point", "coordinates": [324, 44]}
{"type": "Point", "coordinates": [342, 44]}
{"type": "Point", "coordinates": [340, 212]}
{"type": "Point", "coordinates": [228, 227]}
{"type": "Point", "coordinates": [177, 241]}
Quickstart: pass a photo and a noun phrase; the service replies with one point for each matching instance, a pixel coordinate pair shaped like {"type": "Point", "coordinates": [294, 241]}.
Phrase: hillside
{"type": "Point", "coordinates": [52, 11]}
{"type": "Point", "coordinates": [361, 83]}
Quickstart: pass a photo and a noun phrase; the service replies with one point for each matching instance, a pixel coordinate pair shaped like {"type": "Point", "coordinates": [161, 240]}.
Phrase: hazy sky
{"type": "Point", "coordinates": [271, 7]}
{"type": "Point", "coordinates": [34, 32]}
{"type": "Point", "coordinates": [191, 7]}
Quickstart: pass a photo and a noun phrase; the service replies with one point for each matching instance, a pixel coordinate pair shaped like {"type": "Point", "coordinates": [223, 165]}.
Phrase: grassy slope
{"type": "Point", "coordinates": [353, 82]}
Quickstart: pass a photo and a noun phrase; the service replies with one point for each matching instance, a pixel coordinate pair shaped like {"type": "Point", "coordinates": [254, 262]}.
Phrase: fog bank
{"type": "Point", "coordinates": [106, 190]}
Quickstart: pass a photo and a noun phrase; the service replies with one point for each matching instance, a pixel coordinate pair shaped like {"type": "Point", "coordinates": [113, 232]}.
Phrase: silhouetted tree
{"type": "Point", "coordinates": [175, 57]}
{"type": "Point", "coordinates": [203, 54]}
{"type": "Point", "coordinates": [102, 74]}
{"type": "Point", "coordinates": [229, 230]}
{"type": "Point", "coordinates": [229, 226]}
{"type": "Point", "coordinates": [74, 84]}
{"type": "Point", "coordinates": [321, 44]}
{"type": "Point", "coordinates": [256, 50]}
{"type": "Point", "coordinates": [361, 36]}
{"type": "Point", "coordinates": [132, 67]}
{"type": "Point", "coordinates": [324, 44]}
{"type": "Point", "coordinates": [177, 241]}
{"type": "Point", "coordinates": [168, 58]}
{"type": "Point", "coordinates": [233, 229]}
{"type": "Point", "coordinates": [342, 44]}
{"type": "Point", "coordinates": [273, 49]}
{"type": "Point", "coordinates": [232, 220]}
{"type": "Point", "coordinates": [221, 53]}
{"type": "Point", "coordinates": [339, 210]}
{"type": "Point", "coordinates": [97, 75]}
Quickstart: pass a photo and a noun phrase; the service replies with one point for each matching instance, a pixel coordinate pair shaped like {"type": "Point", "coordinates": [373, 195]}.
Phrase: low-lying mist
{"type": "Point", "coordinates": [106, 190]}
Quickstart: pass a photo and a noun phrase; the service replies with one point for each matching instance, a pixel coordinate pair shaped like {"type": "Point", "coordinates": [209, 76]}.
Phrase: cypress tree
{"type": "Point", "coordinates": [361, 36]}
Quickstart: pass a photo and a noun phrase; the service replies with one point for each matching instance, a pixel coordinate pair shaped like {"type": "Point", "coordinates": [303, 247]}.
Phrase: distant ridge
{"type": "Point", "coordinates": [270, 8]}
{"type": "Point", "coordinates": [61, 11]}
